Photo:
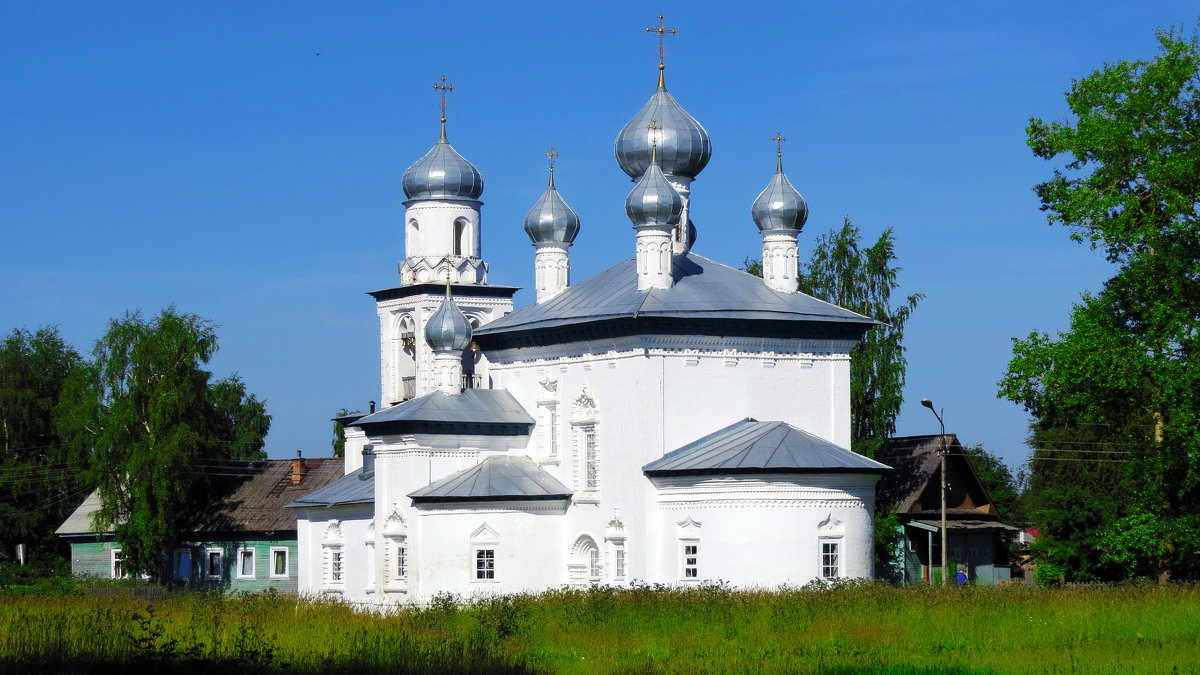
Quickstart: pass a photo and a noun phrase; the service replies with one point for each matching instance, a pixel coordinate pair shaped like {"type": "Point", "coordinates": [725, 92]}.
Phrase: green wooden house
{"type": "Point", "coordinates": [976, 538]}
{"type": "Point", "coordinates": [246, 542]}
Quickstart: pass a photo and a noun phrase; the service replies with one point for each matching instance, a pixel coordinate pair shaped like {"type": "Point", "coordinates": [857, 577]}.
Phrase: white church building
{"type": "Point", "coordinates": [669, 420]}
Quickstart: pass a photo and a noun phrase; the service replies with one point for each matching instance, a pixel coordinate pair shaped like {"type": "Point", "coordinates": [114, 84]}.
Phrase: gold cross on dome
{"type": "Point", "coordinates": [662, 32]}
{"type": "Point", "coordinates": [551, 154]}
{"type": "Point", "coordinates": [443, 88]}
{"type": "Point", "coordinates": [652, 128]}
{"type": "Point", "coordinates": [779, 139]}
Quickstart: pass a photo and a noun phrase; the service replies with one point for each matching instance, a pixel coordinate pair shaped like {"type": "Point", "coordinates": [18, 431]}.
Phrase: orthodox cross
{"type": "Point", "coordinates": [653, 127]}
{"type": "Point", "coordinates": [779, 139]}
{"type": "Point", "coordinates": [661, 31]}
{"type": "Point", "coordinates": [551, 154]}
{"type": "Point", "coordinates": [443, 88]}
{"type": "Point", "coordinates": [448, 263]}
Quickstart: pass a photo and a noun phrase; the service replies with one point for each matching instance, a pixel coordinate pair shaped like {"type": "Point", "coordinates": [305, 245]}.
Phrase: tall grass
{"type": "Point", "coordinates": [853, 628]}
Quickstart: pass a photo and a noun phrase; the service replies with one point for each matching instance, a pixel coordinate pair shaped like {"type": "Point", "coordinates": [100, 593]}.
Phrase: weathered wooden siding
{"type": "Point", "coordinates": [93, 558]}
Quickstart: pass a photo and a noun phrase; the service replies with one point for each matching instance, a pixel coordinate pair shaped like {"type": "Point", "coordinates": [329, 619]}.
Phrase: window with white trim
{"type": "Point", "coordinates": [831, 559]}
{"type": "Point", "coordinates": [586, 442]}
{"type": "Point", "coordinates": [181, 564]}
{"type": "Point", "coordinates": [485, 564]}
{"type": "Point", "coordinates": [116, 569]}
{"type": "Point", "coordinates": [400, 567]}
{"type": "Point", "coordinates": [245, 563]}
{"type": "Point", "coordinates": [830, 535]}
{"type": "Point", "coordinates": [619, 562]}
{"type": "Point", "coordinates": [279, 562]}
{"type": "Point", "coordinates": [214, 563]}
{"type": "Point", "coordinates": [485, 549]}
{"type": "Point", "coordinates": [594, 567]}
{"type": "Point", "coordinates": [691, 560]}
{"type": "Point", "coordinates": [395, 552]}
{"type": "Point", "coordinates": [333, 554]}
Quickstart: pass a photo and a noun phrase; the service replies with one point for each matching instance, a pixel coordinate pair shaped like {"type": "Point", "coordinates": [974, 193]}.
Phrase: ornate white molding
{"type": "Point", "coordinates": [692, 348]}
{"type": "Point", "coordinates": [762, 503]}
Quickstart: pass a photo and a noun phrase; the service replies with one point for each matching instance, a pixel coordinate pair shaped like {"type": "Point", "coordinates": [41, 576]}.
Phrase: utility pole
{"type": "Point", "coordinates": [941, 451]}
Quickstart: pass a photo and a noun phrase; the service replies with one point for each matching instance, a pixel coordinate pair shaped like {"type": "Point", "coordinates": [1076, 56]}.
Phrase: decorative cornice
{"type": "Point", "coordinates": [763, 503]}
{"type": "Point", "coordinates": [692, 348]}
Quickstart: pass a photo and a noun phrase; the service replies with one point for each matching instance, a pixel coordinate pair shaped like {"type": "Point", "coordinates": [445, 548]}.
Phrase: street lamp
{"type": "Point", "coordinates": [929, 404]}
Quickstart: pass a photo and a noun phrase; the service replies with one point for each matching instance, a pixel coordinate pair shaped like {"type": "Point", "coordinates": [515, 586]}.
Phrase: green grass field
{"type": "Point", "coordinates": [856, 628]}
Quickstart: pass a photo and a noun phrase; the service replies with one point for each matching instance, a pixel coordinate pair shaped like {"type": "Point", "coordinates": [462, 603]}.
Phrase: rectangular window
{"type": "Point", "coordinates": [830, 560]}
{"type": "Point", "coordinates": [279, 563]}
{"type": "Point", "coordinates": [620, 562]}
{"type": "Point", "coordinates": [401, 561]}
{"type": "Point", "coordinates": [116, 568]}
{"type": "Point", "coordinates": [214, 563]}
{"type": "Point", "coordinates": [485, 564]}
{"type": "Point", "coordinates": [335, 565]}
{"type": "Point", "coordinates": [552, 430]}
{"type": "Point", "coordinates": [691, 561]}
{"type": "Point", "coordinates": [182, 563]}
{"type": "Point", "coordinates": [245, 563]}
{"type": "Point", "coordinates": [590, 472]}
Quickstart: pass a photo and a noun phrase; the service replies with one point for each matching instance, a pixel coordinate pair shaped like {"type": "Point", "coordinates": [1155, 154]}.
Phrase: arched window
{"type": "Point", "coordinates": [412, 239]}
{"type": "Point", "coordinates": [460, 245]}
{"type": "Point", "coordinates": [585, 566]}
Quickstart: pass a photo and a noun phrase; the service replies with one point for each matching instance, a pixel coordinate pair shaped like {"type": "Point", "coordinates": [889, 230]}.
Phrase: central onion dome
{"type": "Point", "coordinates": [442, 174]}
{"type": "Point", "coordinates": [448, 329]}
{"type": "Point", "coordinates": [779, 207]}
{"type": "Point", "coordinates": [551, 221]}
{"type": "Point", "coordinates": [653, 202]}
{"type": "Point", "coordinates": [684, 147]}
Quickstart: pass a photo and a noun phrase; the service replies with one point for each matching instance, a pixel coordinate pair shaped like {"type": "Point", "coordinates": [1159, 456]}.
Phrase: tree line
{"type": "Point", "coordinates": [1115, 399]}
{"type": "Point", "coordinates": [132, 421]}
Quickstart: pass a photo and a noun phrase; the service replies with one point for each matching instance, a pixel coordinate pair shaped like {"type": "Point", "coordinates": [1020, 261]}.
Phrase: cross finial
{"type": "Point", "coordinates": [551, 154]}
{"type": "Point", "coordinates": [653, 127]}
{"type": "Point", "coordinates": [443, 88]}
{"type": "Point", "coordinates": [662, 32]}
{"type": "Point", "coordinates": [446, 259]}
{"type": "Point", "coordinates": [779, 139]}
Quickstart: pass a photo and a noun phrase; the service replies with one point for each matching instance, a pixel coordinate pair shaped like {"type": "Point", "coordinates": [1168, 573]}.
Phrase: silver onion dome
{"type": "Point", "coordinates": [551, 220]}
{"type": "Point", "coordinates": [443, 174]}
{"type": "Point", "coordinates": [684, 147]}
{"type": "Point", "coordinates": [448, 329]}
{"type": "Point", "coordinates": [779, 207]}
{"type": "Point", "coordinates": [653, 202]}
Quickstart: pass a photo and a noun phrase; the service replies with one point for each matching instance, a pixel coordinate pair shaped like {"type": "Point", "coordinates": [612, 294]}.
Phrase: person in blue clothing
{"type": "Point", "coordinates": [960, 579]}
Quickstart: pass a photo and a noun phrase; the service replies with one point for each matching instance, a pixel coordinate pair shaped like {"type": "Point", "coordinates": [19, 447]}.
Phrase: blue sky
{"type": "Point", "coordinates": [242, 161]}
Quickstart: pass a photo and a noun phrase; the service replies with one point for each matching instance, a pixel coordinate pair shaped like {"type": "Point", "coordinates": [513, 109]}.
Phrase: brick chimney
{"type": "Point", "coordinates": [298, 469]}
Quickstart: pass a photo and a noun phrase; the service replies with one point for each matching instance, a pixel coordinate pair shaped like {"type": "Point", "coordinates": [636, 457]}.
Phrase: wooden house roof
{"type": "Point", "coordinates": [246, 496]}
{"type": "Point", "coordinates": [913, 489]}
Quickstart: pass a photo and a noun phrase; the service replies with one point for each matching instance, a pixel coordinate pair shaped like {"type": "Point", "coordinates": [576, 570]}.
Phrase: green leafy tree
{"type": "Point", "coordinates": [147, 414]}
{"type": "Point", "coordinates": [339, 434]}
{"type": "Point", "coordinates": [1114, 400]}
{"type": "Point", "coordinates": [39, 477]}
{"type": "Point", "coordinates": [1004, 488]}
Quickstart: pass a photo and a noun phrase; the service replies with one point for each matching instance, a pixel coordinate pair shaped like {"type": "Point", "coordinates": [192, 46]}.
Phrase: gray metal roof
{"type": "Point", "coordinates": [442, 174]}
{"type": "Point", "coordinates": [495, 479]}
{"type": "Point", "coordinates": [472, 406]}
{"type": "Point", "coordinates": [683, 146]}
{"type": "Point", "coordinates": [448, 329]}
{"type": "Point", "coordinates": [551, 220]}
{"type": "Point", "coordinates": [353, 488]}
{"type": "Point", "coordinates": [703, 289]}
{"type": "Point", "coordinates": [780, 206]}
{"type": "Point", "coordinates": [750, 446]}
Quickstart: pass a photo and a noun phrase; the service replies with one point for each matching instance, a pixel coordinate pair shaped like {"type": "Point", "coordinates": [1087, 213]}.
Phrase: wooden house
{"type": "Point", "coordinates": [245, 542]}
{"type": "Point", "coordinates": [977, 539]}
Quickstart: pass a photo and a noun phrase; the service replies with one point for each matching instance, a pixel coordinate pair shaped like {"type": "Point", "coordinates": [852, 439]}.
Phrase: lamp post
{"type": "Point", "coordinates": [929, 404]}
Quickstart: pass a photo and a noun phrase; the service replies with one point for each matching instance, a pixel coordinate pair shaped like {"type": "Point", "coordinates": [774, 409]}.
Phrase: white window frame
{"type": "Point", "coordinates": [485, 539]}
{"type": "Point", "coordinates": [586, 452]}
{"type": "Point", "coordinates": [115, 559]}
{"type": "Point", "coordinates": [333, 559]}
{"type": "Point", "coordinates": [689, 560]}
{"type": "Point", "coordinates": [287, 562]}
{"type": "Point", "coordinates": [620, 566]}
{"type": "Point", "coordinates": [241, 553]}
{"type": "Point", "coordinates": [838, 552]}
{"type": "Point", "coordinates": [176, 556]}
{"type": "Point", "coordinates": [208, 563]}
